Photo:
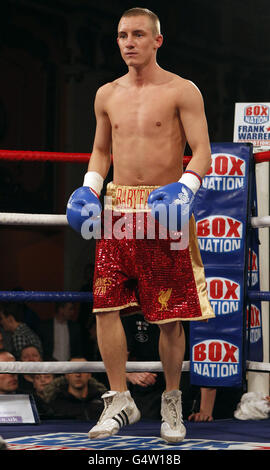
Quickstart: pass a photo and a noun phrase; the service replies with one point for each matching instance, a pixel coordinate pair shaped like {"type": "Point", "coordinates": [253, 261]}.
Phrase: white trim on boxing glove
{"type": "Point", "coordinates": [94, 180]}
{"type": "Point", "coordinates": [192, 180]}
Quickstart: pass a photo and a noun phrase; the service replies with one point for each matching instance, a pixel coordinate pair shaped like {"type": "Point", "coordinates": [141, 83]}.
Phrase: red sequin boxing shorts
{"type": "Point", "coordinates": [138, 272]}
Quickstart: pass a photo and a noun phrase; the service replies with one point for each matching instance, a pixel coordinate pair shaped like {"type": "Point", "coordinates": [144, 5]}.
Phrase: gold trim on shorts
{"type": "Point", "coordinates": [199, 273]}
{"type": "Point", "coordinates": [114, 309]}
{"type": "Point", "coordinates": [122, 198]}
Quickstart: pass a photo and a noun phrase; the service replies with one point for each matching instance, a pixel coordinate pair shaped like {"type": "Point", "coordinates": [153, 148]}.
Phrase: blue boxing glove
{"type": "Point", "coordinates": [84, 208]}
{"type": "Point", "coordinates": [172, 205]}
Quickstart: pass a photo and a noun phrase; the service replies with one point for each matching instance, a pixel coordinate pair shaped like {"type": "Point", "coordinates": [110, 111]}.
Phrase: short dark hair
{"type": "Point", "coordinates": [14, 309]}
{"type": "Point", "coordinates": [137, 11]}
{"type": "Point", "coordinates": [31, 345]}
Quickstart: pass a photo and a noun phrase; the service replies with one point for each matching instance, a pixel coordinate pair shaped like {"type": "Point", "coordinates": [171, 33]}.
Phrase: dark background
{"type": "Point", "coordinates": [54, 55]}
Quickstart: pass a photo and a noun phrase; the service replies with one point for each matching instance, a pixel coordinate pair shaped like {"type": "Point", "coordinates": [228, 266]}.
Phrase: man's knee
{"type": "Point", "coordinates": [172, 328]}
{"type": "Point", "coordinates": [103, 318]}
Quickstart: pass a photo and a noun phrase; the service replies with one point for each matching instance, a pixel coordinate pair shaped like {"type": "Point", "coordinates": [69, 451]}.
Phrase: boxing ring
{"type": "Point", "coordinates": [65, 435]}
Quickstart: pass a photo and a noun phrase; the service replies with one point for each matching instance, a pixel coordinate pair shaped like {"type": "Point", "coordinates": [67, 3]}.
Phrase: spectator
{"type": "Point", "coordinates": [29, 317]}
{"type": "Point", "coordinates": [8, 382]}
{"type": "Point", "coordinates": [203, 405]}
{"type": "Point", "coordinates": [75, 396]}
{"type": "Point", "coordinates": [11, 316]}
{"type": "Point", "coordinates": [5, 338]}
{"type": "Point", "coordinates": [28, 354]}
{"type": "Point", "coordinates": [40, 382]}
{"type": "Point", "coordinates": [60, 335]}
{"type": "Point", "coordinates": [215, 403]}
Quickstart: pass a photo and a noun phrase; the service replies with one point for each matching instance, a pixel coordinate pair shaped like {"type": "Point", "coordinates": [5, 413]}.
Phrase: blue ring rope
{"type": "Point", "coordinates": [70, 296]}
{"type": "Point", "coordinates": [259, 295]}
{"type": "Point", "coordinates": [39, 296]}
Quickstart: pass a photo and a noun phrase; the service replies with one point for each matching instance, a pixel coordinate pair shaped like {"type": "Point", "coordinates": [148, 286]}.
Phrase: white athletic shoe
{"type": "Point", "coordinates": [119, 410]}
{"type": "Point", "coordinates": [172, 427]}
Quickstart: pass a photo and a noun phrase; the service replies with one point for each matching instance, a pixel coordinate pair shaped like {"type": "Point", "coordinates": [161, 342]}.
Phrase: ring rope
{"type": "Point", "coordinates": [61, 367]}
{"type": "Point", "coordinates": [43, 296]}
{"type": "Point", "coordinates": [264, 296]}
{"type": "Point", "coordinates": [10, 218]}
{"type": "Point", "coordinates": [260, 222]}
{"type": "Point", "coordinates": [29, 155]}
{"type": "Point", "coordinates": [258, 366]}
{"type": "Point", "coordinates": [73, 296]}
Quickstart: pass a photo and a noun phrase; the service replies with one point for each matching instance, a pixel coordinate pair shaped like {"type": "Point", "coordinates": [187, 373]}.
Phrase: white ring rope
{"type": "Point", "coordinates": [7, 218]}
{"type": "Point", "coordinates": [258, 366]}
{"type": "Point", "coordinates": [59, 367]}
{"type": "Point", "coordinates": [260, 222]}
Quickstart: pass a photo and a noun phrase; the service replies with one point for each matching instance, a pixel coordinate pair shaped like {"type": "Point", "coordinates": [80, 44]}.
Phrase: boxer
{"type": "Point", "coordinates": [145, 118]}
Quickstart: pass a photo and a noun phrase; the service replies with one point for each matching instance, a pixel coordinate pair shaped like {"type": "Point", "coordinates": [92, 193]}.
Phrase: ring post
{"type": "Point", "coordinates": [259, 381]}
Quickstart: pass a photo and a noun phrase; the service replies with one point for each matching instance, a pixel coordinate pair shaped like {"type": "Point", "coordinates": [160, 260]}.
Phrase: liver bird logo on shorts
{"type": "Point", "coordinates": [164, 297]}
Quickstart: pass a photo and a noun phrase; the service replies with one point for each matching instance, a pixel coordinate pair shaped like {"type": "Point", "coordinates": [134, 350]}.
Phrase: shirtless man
{"type": "Point", "coordinates": [145, 119]}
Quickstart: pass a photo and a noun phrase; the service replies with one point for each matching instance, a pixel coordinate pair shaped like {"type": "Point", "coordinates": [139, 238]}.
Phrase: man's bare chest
{"type": "Point", "coordinates": [141, 112]}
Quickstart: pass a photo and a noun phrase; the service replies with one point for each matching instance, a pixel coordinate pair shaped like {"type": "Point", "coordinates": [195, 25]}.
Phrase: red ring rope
{"type": "Point", "coordinates": [29, 155]}
{"type": "Point", "coordinates": [262, 157]}
{"type": "Point", "coordinates": [44, 156]}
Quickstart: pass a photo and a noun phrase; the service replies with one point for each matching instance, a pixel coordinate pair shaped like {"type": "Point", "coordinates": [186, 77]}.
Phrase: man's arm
{"type": "Point", "coordinates": [192, 115]}
{"type": "Point", "coordinates": [208, 397]}
{"type": "Point", "coordinates": [83, 207]}
{"type": "Point", "coordinates": [100, 159]}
